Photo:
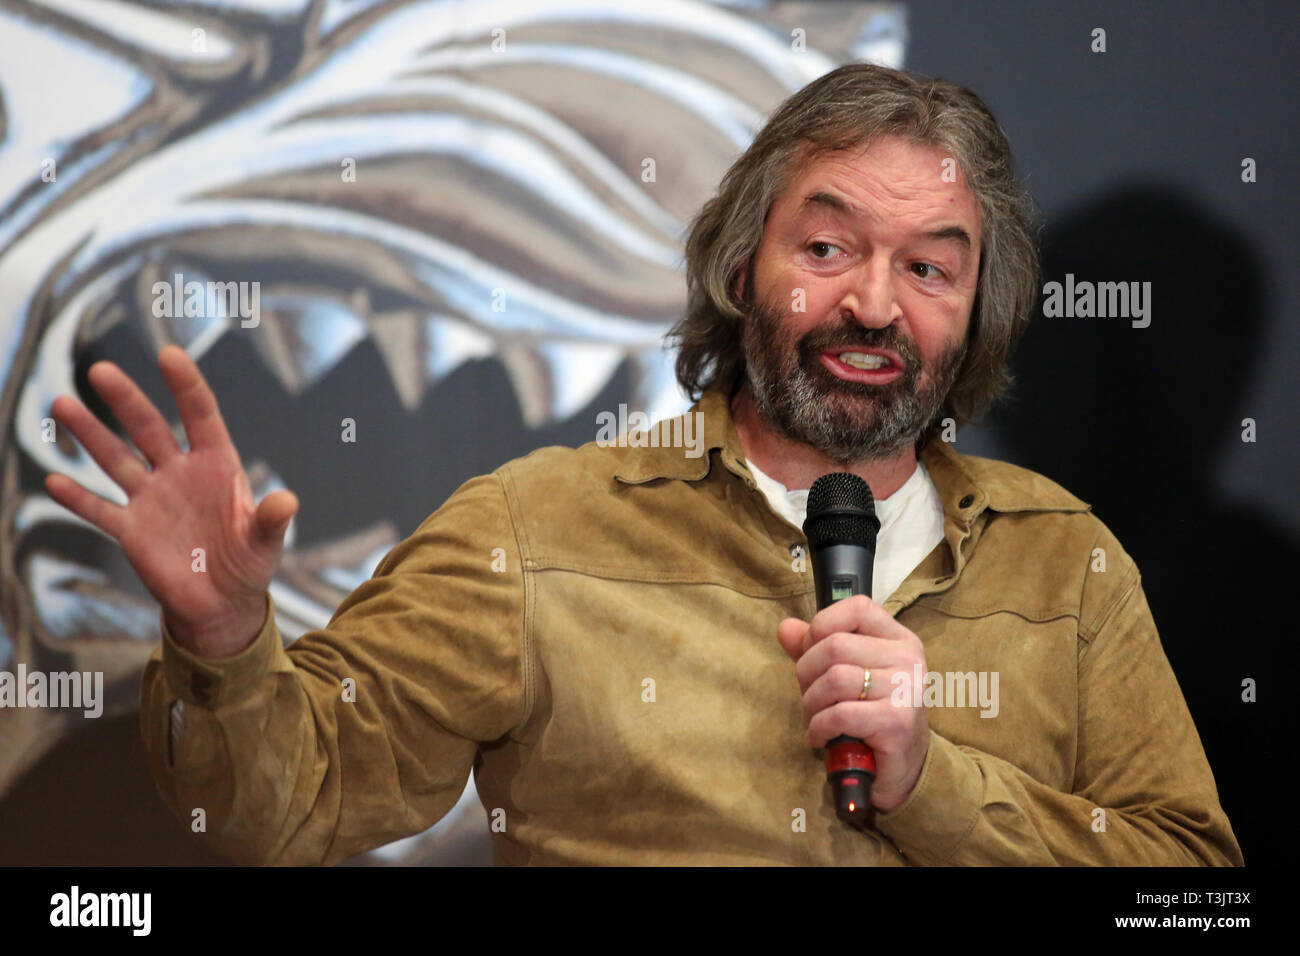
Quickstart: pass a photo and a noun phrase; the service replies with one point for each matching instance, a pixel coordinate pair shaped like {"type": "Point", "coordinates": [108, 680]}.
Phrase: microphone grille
{"type": "Point", "coordinates": [841, 510]}
{"type": "Point", "coordinates": [840, 491]}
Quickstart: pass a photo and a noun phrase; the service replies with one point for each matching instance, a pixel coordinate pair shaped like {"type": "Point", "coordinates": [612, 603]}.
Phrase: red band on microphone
{"type": "Point", "coordinates": [850, 756]}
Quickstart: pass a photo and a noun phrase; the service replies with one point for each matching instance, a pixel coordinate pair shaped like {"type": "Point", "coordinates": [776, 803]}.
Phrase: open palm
{"type": "Point", "coordinates": [190, 528]}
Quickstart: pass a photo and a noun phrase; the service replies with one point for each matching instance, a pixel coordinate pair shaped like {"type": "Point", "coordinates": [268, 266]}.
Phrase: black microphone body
{"type": "Point", "coordinates": [841, 527]}
{"type": "Point", "coordinates": [840, 571]}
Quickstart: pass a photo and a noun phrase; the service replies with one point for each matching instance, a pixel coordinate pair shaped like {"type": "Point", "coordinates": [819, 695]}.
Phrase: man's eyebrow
{"type": "Point", "coordinates": [830, 200]}
{"type": "Point", "coordinates": [822, 199]}
{"type": "Point", "coordinates": [954, 233]}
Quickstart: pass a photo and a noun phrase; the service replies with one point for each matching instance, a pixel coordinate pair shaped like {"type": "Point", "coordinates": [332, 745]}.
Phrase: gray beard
{"type": "Point", "coordinates": [847, 422]}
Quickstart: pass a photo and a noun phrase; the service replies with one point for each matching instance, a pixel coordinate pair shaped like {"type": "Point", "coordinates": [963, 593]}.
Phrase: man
{"type": "Point", "coordinates": [622, 642]}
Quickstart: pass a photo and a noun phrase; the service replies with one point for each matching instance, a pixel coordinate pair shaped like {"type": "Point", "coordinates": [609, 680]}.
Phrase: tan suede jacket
{"type": "Point", "coordinates": [593, 632]}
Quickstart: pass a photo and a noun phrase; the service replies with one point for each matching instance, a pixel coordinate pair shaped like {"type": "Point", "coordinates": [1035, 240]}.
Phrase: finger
{"type": "Point", "coordinates": [858, 614]}
{"type": "Point", "coordinates": [194, 399]}
{"type": "Point", "coordinates": [790, 633]}
{"type": "Point", "coordinates": [139, 416]}
{"type": "Point", "coordinates": [843, 648]}
{"type": "Point", "coordinates": [859, 719]}
{"type": "Point", "coordinates": [272, 517]}
{"type": "Point", "coordinates": [105, 515]}
{"type": "Point", "coordinates": [842, 683]}
{"type": "Point", "coordinates": [112, 454]}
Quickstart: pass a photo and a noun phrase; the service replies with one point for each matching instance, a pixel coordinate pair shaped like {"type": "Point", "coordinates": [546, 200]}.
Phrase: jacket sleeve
{"type": "Point", "coordinates": [363, 732]}
{"type": "Point", "coordinates": [1143, 792]}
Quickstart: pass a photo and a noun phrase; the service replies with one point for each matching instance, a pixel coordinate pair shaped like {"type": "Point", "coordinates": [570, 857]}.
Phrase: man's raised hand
{"type": "Point", "coordinates": [178, 502]}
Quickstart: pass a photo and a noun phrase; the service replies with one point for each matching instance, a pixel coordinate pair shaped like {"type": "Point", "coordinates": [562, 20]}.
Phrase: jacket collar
{"type": "Point", "coordinates": [966, 484]}
{"type": "Point", "coordinates": [716, 431]}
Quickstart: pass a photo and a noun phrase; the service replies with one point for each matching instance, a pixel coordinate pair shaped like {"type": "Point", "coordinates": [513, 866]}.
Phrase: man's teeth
{"type": "Point", "coordinates": [863, 360]}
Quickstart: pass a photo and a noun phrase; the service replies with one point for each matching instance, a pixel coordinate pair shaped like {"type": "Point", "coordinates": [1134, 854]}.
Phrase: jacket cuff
{"type": "Point", "coordinates": [942, 808]}
{"type": "Point", "coordinates": [216, 681]}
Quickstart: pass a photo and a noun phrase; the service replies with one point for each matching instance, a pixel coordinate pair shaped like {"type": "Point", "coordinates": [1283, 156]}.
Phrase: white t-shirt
{"type": "Point", "coordinates": [911, 524]}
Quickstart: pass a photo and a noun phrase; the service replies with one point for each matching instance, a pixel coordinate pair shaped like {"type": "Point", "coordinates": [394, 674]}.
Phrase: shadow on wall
{"type": "Point", "coordinates": [1134, 421]}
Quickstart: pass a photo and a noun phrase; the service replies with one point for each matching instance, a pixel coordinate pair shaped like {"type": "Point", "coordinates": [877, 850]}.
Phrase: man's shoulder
{"type": "Point", "coordinates": [1009, 487]}
{"type": "Point", "coordinates": [1042, 549]}
{"type": "Point", "coordinates": [620, 510]}
{"type": "Point", "coordinates": [551, 487]}
{"type": "Point", "coordinates": [569, 471]}
{"type": "Point", "coordinates": [1029, 506]}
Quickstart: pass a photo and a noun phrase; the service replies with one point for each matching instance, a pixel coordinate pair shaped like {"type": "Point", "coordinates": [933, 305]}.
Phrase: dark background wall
{"type": "Point", "coordinates": [1134, 156]}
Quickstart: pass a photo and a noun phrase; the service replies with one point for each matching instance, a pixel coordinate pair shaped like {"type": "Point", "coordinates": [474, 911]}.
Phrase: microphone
{"type": "Point", "coordinates": [841, 527]}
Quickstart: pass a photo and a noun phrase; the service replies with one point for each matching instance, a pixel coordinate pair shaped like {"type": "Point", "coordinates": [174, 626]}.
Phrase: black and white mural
{"type": "Point", "coordinates": [456, 222]}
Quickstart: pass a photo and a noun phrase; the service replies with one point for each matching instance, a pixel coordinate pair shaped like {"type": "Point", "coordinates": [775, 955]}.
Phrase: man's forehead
{"type": "Point", "coordinates": [826, 199]}
{"type": "Point", "coordinates": [881, 157]}
{"type": "Point", "coordinates": [814, 191]}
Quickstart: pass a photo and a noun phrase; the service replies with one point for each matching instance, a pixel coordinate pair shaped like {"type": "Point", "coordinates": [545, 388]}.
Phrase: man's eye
{"type": "Point", "coordinates": [936, 271]}
{"type": "Point", "coordinates": [814, 246]}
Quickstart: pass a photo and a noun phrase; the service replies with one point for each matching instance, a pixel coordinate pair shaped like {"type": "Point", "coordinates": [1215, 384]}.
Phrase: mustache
{"type": "Point", "coordinates": [844, 334]}
{"type": "Point", "coordinates": [821, 340]}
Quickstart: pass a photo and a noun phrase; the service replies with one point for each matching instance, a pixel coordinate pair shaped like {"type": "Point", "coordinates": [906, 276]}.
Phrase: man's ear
{"type": "Point", "coordinates": [738, 285]}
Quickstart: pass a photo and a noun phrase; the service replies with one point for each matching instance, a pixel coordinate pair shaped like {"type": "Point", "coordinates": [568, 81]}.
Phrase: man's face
{"type": "Point", "coordinates": [863, 255]}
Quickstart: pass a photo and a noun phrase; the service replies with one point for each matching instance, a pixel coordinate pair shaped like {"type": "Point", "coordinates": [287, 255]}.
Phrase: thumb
{"type": "Point", "coordinates": [272, 517]}
{"type": "Point", "coordinates": [790, 633]}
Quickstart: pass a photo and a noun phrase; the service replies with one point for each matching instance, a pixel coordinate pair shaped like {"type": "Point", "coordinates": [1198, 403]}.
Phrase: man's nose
{"type": "Point", "coordinates": [872, 297]}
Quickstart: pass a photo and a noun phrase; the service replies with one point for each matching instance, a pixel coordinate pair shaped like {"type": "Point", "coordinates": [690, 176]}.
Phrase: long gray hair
{"type": "Point", "coordinates": [848, 108]}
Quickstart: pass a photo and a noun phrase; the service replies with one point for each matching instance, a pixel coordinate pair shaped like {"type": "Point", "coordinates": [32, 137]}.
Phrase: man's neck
{"type": "Point", "coordinates": [797, 466]}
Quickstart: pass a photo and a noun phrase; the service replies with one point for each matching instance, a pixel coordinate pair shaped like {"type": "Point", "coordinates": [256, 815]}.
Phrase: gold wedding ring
{"type": "Point", "coordinates": [866, 684]}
